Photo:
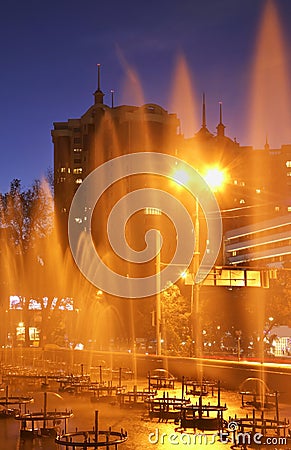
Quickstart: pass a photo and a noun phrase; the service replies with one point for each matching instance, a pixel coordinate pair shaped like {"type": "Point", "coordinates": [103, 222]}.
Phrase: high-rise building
{"type": "Point", "coordinates": [102, 133]}
{"type": "Point", "coordinates": [258, 181]}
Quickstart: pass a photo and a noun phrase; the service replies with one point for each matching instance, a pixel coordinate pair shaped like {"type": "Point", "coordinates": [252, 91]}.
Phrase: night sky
{"type": "Point", "coordinates": [49, 52]}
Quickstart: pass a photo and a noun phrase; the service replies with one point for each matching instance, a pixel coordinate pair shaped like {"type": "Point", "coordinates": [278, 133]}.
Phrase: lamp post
{"type": "Point", "coordinates": [195, 287]}
{"type": "Point", "coordinates": [238, 335]}
{"type": "Point", "coordinates": [158, 308]}
{"type": "Point", "coordinates": [158, 297]}
{"type": "Point", "coordinates": [215, 178]}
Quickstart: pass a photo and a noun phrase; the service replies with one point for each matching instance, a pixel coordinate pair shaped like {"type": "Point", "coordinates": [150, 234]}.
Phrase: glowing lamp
{"type": "Point", "coordinates": [214, 178]}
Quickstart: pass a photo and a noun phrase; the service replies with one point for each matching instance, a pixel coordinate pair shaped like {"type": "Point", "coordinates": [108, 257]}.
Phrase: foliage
{"type": "Point", "coordinates": [26, 215]}
{"type": "Point", "coordinates": [28, 247]}
{"type": "Point", "coordinates": [278, 304]}
{"type": "Point", "coordinates": [175, 320]}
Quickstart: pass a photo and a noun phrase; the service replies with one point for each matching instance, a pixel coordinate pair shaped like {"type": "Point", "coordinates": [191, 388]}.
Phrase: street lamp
{"type": "Point", "coordinates": [238, 334]}
{"type": "Point", "coordinates": [158, 297]}
{"type": "Point", "coordinates": [158, 316]}
{"type": "Point", "coordinates": [215, 178]}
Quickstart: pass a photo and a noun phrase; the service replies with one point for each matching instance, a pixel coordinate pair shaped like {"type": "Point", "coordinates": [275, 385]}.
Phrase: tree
{"type": "Point", "coordinates": [26, 215]}
{"type": "Point", "coordinates": [26, 226]}
{"type": "Point", "coordinates": [278, 303]}
{"type": "Point", "coordinates": [175, 320]}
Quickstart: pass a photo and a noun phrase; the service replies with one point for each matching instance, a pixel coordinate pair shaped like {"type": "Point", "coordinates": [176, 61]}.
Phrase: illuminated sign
{"type": "Point", "coordinates": [19, 302]}
{"type": "Point", "coordinates": [225, 277]}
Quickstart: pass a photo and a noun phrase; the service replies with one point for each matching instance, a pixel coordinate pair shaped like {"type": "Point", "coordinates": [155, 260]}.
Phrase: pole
{"type": "Point", "coordinates": [158, 296]}
{"type": "Point", "coordinates": [96, 428]}
{"type": "Point", "coordinates": [195, 291]}
{"type": "Point", "coordinates": [44, 409]}
{"type": "Point", "coordinates": [238, 348]}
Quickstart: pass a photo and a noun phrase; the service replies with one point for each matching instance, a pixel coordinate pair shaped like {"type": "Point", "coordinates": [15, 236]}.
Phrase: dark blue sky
{"type": "Point", "coordinates": [49, 51]}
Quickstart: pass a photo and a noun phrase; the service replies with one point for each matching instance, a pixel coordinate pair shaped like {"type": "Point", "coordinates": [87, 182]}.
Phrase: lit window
{"type": "Point", "coordinates": [34, 305]}
{"type": "Point", "coordinates": [258, 191]}
{"type": "Point", "coordinates": [69, 170]}
{"type": "Point", "coordinates": [77, 150]}
{"type": "Point", "coordinates": [63, 169]}
{"type": "Point", "coordinates": [288, 163]}
{"type": "Point", "coordinates": [242, 201]}
{"type": "Point", "coordinates": [289, 209]}
{"type": "Point", "coordinates": [242, 183]}
{"type": "Point", "coordinates": [78, 220]}
{"type": "Point", "coordinates": [78, 170]}
{"type": "Point", "coordinates": [62, 179]}
{"type": "Point", "coordinates": [277, 208]}
{"type": "Point", "coordinates": [15, 302]}
{"type": "Point", "coordinates": [288, 174]}
{"type": "Point", "coordinates": [20, 332]}
{"type": "Point", "coordinates": [153, 212]}
{"type": "Point", "coordinates": [235, 182]}
{"type": "Point", "coordinates": [33, 333]}
{"type": "Point", "coordinates": [79, 180]}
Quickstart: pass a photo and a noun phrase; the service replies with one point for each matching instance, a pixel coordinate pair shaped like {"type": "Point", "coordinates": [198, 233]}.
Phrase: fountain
{"type": "Point", "coordinates": [255, 431]}
{"type": "Point", "coordinates": [198, 387]}
{"type": "Point", "coordinates": [9, 404]}
{"type": "Point", "coordinates": [92, 438]}
{"type": "Point", "coordinates": [255, 395]}
{"type": "Point", "coordinates": [136, 399]}
{"type": "Point", "coordinates": [161, 378]}
{"type": "Point", "coordinates": [51, 422]}
{"type": "Point", "coordinates": [75, 328]}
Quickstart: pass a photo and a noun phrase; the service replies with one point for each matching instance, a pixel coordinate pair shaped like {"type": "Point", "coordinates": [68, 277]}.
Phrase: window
{"type": "Point", "coordinates": [77, 150]}
{"type": "Point", "coordinates": [153, 211]}
{"type": "Point", "coordinates": [77, 161]}
{"type": "Point", "coordinates": [20, 332]}
{"type": "Point", "coordinates": [77, 140]}
{"type": "Point", "coordinates": [288, 163]}
{"type": "Point", "coordinates": [33, 333]}
{"type": "Point", "coordinates": [62, 169]}
{"type": "Point", "coordinates": [288, 174]}
{"type": "Point", "coordinates": [79, 180]}
{"type": "Point", "coordinates": [78, 170]}
{"type": "Point", "coordinates": [242, 201]}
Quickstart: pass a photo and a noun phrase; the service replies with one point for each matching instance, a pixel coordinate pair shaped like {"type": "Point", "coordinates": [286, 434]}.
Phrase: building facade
{"type": "Point", "coordinates": [102, 133]}
{"type": "Point", "coordinates": [258, 181]}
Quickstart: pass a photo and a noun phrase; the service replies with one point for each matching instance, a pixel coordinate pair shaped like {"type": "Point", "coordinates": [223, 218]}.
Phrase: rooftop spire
{"type": "Point", "coordinates": [98, 77]}
{"type": "Point", "coordinates": [98, 94]}
{"type": "Point", "coordinates": [112, 98]}
{"type": "Point", "coordinates": [203, 133]}
{"type": "Point", "coordinates": [220, 127]}
{"type": "Point", "coordinates": [203, 111]}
